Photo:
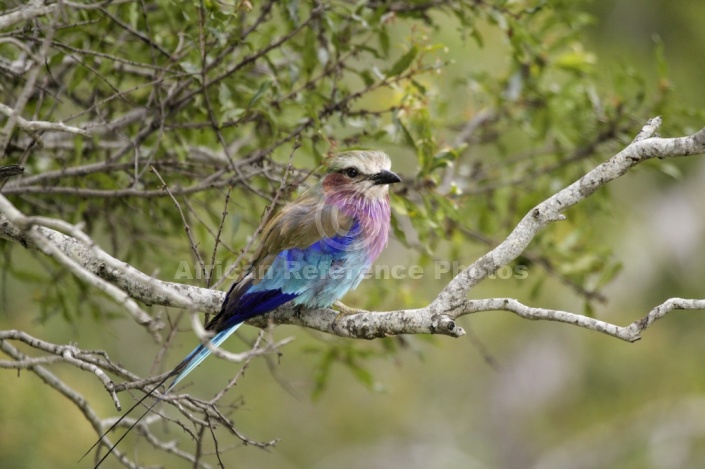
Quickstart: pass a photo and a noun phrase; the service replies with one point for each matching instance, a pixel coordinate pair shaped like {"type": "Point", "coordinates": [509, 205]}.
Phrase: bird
{"type": "Point", "coordinates": [310, 254]}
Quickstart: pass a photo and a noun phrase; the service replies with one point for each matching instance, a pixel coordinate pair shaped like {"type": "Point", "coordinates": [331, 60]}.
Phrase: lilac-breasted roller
{"type": "Point", "coordinates": [311, 253]}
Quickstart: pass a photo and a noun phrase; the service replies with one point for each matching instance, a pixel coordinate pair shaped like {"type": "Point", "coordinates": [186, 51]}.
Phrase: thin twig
{"type": "Point", "coordinates": [187, 227]}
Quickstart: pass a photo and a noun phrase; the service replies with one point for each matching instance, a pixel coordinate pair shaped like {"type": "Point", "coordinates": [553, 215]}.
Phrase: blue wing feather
{"type": "Point", "coordinates": [305, 276]}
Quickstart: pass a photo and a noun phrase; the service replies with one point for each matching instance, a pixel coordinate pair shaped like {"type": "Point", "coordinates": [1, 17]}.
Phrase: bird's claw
{"type": "Point", "coordinates": [344, 310]}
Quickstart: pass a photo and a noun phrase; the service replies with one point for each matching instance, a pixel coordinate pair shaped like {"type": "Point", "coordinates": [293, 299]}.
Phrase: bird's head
{"type": "Point", "coordinates": [366, 172]}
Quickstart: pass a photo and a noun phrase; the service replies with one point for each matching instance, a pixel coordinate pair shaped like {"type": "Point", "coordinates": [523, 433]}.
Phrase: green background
{"type": "Point", "coordinates": [534, 394]}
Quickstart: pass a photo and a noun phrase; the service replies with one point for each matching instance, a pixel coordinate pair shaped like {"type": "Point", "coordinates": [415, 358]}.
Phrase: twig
{"type": "Point", "coordinates": [66, 353]}
{"type": "Point", "coordinates": [26, 12]}
{"type": "Point", "coordinates": [440, 316]}
{"type": "Point", "coordinates": [187, 227]}
{"type": "Point", "coordinates": [265, 218]}
{"type": "Point", "coordinates": [36, 126]}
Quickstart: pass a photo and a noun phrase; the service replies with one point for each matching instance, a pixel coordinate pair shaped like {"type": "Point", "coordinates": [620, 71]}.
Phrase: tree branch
{"type": "Point", "coordinates": [437, 318]}
{"type": "Point", "coordinates": [25, 13]}
{"type": "Point", "coordinates": [35, 126]}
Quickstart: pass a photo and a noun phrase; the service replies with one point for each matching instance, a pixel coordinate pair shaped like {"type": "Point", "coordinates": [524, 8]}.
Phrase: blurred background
{"type": "Point", "coordinates": [511, 393]}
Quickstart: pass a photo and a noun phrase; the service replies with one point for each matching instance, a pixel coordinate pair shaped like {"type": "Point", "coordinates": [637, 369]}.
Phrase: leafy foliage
{"type": "Point", "coordinates": [230, 106]}
{"type": "Point", "coordinates": [211, 97]}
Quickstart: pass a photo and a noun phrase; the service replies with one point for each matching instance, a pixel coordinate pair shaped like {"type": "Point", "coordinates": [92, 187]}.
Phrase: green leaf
{"type": "Point", "coordinates": [443, 159]}
{"type": "Point", "coordinates": [447, 207]}
{"type": "Point", "coordinates": [537, 287]}
{"type": "Point", "coordinates": [671, 170]}
{"type": "Point", "coordinates": [418, 86]}
{"type": "Point", "coordinates": [403, 62]}
{"type": "Point", "coordinates": [398, 232]}
{"type": "Point", "coordinates": [576, 60]}
{"type": "Point", "coordinates": [192, 69]}
{"type": "Point", "coordinates": [370, 50]}
{"type": "Point", "coordinates": [263, 88]}
{"type": "Point", "coordinates": [362, 374]}
{"type": "Point", "coordinates": [224, 95]}
{"type": "Point", "coordinates": [609, 273]}
{"type": "Point", "coordinates": [309, 55]}
{"type": "Point", "coordinates": [404, 131]}
{"type": "Point", "coordinates": [475, 34]}
{"type": "Point", "coordinates": [232, 114]}
{"type": "Point", "coordinates": [384, 41]}
{"type": "Point", "coordinates": [660, 55]}
{"type": "Point", "coordinates": [398, 205]}
{"type": "Point", "coordinates": [367, 77]}
{"type": "Point", "coordinates": [133, 15]}
{"type": "Point", "coordinates": [322, 373]}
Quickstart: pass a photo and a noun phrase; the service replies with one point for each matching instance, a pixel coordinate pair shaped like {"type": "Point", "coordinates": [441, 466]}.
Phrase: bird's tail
{"type": "Point", "coordinates": [186, 366]}
{"type": "Point", "coordinates": [199, 354]}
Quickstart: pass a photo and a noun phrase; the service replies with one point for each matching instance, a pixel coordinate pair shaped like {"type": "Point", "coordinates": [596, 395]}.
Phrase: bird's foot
{"type": "Point", "coordinates": [347, 310]}
{"type": "Point", "coordinates": [344, 311]}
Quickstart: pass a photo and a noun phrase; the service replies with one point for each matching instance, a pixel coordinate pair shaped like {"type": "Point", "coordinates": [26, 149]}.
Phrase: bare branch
{"type": "Point", "coordinates": [35, 126]}
{"type": "Point", "coordinates": [552, 209]}
{"type": "Point", "coordinates": [49, 248]}
{"type": "Point", "coordinates": [138, 285]}
{"type": "Point", "coordinates": [66, 353]}
{"type": "Point", "coordinates": [25, 13]}
{"type": "Point", "coordinates": [437, 318]}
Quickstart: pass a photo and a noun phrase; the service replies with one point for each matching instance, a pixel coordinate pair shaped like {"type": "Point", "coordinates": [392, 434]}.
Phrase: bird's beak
{"type": "Point", "coordinates": [384, 177]}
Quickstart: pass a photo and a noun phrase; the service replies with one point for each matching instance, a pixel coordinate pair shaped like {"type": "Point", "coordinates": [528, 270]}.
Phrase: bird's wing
{"type": "Point", "coordinates": [297, 226]}
{"type": "Point", "coordinates": [300, 225]}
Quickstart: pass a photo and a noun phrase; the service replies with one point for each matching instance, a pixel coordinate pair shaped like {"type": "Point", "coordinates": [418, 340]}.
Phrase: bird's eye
{"type": "Point", "coordinates": [351, 172]}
